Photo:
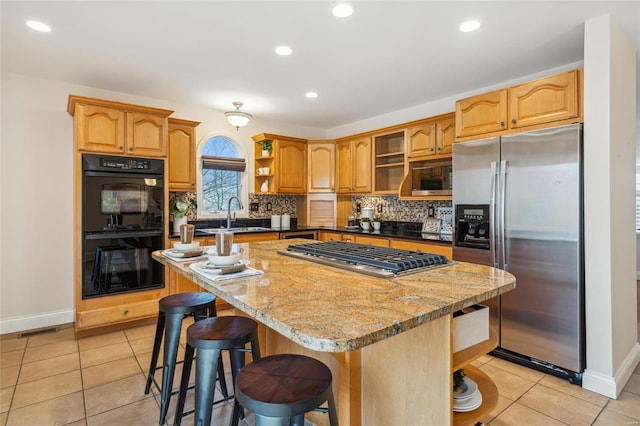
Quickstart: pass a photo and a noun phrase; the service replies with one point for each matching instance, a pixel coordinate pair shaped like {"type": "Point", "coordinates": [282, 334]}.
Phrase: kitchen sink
{"type": "Point", "coordinates": [239, 229]}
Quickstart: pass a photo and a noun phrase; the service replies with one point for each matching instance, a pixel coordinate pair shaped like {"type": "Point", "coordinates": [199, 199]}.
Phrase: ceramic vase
{"type": "Point", "coordinates": [177, 221]}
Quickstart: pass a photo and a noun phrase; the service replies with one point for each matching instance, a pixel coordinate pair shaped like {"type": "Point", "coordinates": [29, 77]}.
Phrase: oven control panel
{"type": "Point", "coordinates": [125, 163]}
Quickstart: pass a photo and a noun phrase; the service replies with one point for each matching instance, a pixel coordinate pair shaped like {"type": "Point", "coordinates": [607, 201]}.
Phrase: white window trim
{"type": "Point", "coordinates": [244, 180]}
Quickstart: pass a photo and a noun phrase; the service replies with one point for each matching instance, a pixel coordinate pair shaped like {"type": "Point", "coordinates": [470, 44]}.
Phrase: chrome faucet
{"type": "Point", "coordinates": [229, 211]}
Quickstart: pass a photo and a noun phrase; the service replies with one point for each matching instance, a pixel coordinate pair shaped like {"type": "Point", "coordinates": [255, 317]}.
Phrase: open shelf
{"type": "Point", "coordinates": [391, 154]}
{"type": "Point", "coordinates": [489, 398]}
{"type": "Point", "coordinates": [391, 165]}
{"type": "Point", "coordinates": [465, 356]}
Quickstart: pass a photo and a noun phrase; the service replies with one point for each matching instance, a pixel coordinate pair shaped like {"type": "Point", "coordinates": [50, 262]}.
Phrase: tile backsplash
{"type": "Point", "coordinates": [393, 209]}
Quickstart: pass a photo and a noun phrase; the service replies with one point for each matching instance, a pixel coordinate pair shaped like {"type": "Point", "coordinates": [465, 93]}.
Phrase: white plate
{"type": "Point", "coordinates": [472, 387]}
{"type": "Point", "coordinates": [209, 268]}
{"type": "Point", "coordinates": [469, 405]}
{"type": "Point", "coordinates": [186, 247]}
{"type": "Point", "coordinates": [232, 259]}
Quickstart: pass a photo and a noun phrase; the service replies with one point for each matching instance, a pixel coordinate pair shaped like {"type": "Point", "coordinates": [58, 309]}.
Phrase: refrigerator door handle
{"type": "Point", "coordinates": [501, 231]}
{"type": "Point", "coordinates": [492, 216]}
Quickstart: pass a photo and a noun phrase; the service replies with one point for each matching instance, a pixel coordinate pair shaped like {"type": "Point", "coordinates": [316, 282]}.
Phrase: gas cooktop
{"type": "Point", "coordinates": [372, 260]}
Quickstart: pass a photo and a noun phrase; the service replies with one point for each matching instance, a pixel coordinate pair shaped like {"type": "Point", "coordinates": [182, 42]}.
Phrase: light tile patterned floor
{"type": "Point", "coordinates": [55, 379]}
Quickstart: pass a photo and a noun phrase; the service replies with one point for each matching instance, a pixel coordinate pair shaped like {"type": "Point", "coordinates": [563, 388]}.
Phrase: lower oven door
{"type": "Point", "coordinates": [120, 262]}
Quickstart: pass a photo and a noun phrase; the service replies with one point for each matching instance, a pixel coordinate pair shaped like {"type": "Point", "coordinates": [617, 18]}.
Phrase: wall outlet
{"type": "Point", "coordinates": [379, 208]}
{"type": "Point", "coordinates": [254, 207]}
{"type": "Point", "coordinates": [268, 207]}
{"type": "Point", "coordinates": [358, 207]}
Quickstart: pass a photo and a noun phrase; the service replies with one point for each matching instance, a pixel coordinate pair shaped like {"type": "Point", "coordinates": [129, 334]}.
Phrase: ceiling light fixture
{"type": "Point", "coordinates": [284, 50]}
{"type": "Point", "coordinates": [470, 25]}
{"type": "Point", "coordinates": [342, 10]}
{"type": "Point", "coordinates": [39, 26]}
{"type": "Point", "coordinates": [311, 95]}
{"type": "Point", "coordinates": [238, 118]}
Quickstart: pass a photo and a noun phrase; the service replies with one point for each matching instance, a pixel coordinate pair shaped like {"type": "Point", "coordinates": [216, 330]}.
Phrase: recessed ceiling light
{"type": "Point", "coordinates": [470, 25]}
{"type": "Point", "coordinates": [39, 26]}
{"type": "Point", "coordinates": [342, 10]}
{"type": "Point", "coordinates": [311, 95]}
{"type": "Point", "coordinates": [284, 50]}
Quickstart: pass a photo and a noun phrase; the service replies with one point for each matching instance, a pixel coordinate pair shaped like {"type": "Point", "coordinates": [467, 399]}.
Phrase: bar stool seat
{"type": "Point", "coordinates": [279, 389]}
{"type": "Point", "coordinates": [172, 311]}
{"type": "Point", "coordinates": [209, 337]}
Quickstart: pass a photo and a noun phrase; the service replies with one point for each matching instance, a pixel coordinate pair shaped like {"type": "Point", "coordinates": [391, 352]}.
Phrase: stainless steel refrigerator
{"type": "Point", "coordinates": [518, 206]}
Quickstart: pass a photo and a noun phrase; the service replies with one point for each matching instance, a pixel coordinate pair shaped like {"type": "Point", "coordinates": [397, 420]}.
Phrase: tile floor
{"type": "Point", "coordinates": [56, 379]}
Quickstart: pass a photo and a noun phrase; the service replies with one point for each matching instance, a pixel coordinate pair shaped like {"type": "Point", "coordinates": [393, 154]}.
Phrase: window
{"type": "Point", "coordinates": [221, 175]}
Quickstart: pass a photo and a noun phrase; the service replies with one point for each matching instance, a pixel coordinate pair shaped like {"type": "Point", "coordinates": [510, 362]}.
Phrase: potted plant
{"type": "Point", "coordinates": [376, 222]}
{"type": "Point", "coordinates": [365, 222]}
{"type": "Point", "coordinates": [266, 148]}
{"type": "Point", "coordinates": [178, 209]}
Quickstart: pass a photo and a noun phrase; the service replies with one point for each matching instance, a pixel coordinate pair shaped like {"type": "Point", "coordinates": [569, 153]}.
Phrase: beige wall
{"type": "Point", "coordinates": [609, 156]}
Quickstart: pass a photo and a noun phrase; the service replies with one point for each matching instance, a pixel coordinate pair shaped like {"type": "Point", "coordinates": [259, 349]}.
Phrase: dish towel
{"type": "Point", "coordinates": [248, 272]}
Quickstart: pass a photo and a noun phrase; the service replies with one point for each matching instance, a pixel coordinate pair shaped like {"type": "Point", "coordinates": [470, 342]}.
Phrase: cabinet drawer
{"type": "Point", "coordinates": [116, 314]}
{"type": "Point", "coordinates": [444, 250]}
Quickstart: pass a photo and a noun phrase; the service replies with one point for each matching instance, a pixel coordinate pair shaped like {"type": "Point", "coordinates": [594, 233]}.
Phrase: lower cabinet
{"type": "Point", "coordinates": [362, 238]}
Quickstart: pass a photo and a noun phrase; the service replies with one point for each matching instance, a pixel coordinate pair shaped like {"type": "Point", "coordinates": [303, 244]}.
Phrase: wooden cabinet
{"type": "Point", "coordinates": [182, 154]}
{"type": "Point", "coordinates": [117, 128]}
{"type": "Point", "coordinates": [321, 209]}
{"type": "Point", "coordinates": [388, 154]}
{"type": "Point", "coordinates": [321, 160]}
{"type": "Point", "coordinates": [432, 139]}
{"type": "Point", "coordinates": [442, 249]}
{"type": "Point", "coordinates": [555, 99]}
{"type": "Point", "coordinates": [354, 165]}
{"type": "Point", "coordinates": [287, 165]}
{"type": "Point", "coordinates": [374, 241]}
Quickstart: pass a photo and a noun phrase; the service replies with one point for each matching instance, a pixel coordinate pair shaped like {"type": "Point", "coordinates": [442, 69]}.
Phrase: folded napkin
{"type": "Point", "coordinates": [214, 275]}
{"type": "Point", "coordinates": [183, 256]}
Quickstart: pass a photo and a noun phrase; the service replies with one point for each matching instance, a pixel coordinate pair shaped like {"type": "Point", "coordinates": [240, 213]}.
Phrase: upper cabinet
{"type": "Point", "coordinates": [432, 138]}
{"type": "Point", "coordinates": [118, 128]}
{"type": "Point", "coordinates": [388, 162]}
{"type": "Point", "coordinates": [182, 156]}
{"type": "Point", "coordinates": [321, 161]}
{"type": "Point", "coordinates": [555, 99]}
{"type": "Point", "coordinates": [354, 165]}
{"type": "Point", "coordinates": [283, 169]}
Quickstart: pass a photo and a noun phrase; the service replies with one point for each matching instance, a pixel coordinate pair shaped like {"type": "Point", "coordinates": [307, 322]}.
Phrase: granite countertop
{"type": "Point", "coordinates": [332, 310]}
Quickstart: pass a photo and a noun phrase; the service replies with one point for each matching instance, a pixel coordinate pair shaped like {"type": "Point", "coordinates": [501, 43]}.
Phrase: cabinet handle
{"type": "Point", "coordinates": [502, 124]}
{"type": "Point", "coordinates": [126, 312]}
{"type": "Point", "coordinates": [121, 148]}
{"type": "Point", "coordinates": [513, 121]}
{"type": "Point", "coordinates": [430, 149]}
{"type": "Point", "coordinates": [439, 148]}
{"type": "Point", "coordinates": [131, 149]}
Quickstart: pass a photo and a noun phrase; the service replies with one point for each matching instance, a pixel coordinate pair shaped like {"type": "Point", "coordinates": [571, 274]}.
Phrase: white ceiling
{"type": "Point", "coordinates": [388, 56]}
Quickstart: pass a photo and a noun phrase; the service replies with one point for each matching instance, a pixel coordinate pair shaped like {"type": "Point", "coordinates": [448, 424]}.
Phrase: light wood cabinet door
{"type": "Point", "coordinates": [481, 114]}
{"type": "Point", "coordinates": [374, 241]}
{"type": "Point", "coordinates": [100, 129]}
{"type": "Point", "coordinates": [343, 161]}
{"type": "Point", "coordinates": [181, 159]}
{"type": "Point", "coordinates": [445, 136]}
{"type": "Point", "coordinates": [361, 165]}
{"type": "Point", "coordinates": [421, 140]}
{"type": "Point", "coordinates": [329, 236]}
{"type": "Point", "coordinates": [146, 135]}
{"type": "Point", "coordinates": [545, 100]}
{"type": "Point", "coordinates": [322, 167]}
{"type": "Point", "coordinates": [444, 250]}
{"type": "Point", "coordinates": [291, 169]}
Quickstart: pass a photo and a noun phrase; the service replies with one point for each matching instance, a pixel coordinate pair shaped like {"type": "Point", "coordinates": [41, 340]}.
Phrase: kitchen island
{"type": "Point", "coordinates": [387, 341]}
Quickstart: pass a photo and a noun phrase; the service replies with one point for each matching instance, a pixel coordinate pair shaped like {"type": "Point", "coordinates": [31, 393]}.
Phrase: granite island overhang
{"type": "Point", "coordinates": [379, 336]}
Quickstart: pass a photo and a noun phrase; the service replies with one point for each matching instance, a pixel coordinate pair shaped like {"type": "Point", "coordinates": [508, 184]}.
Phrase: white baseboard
{"type": "Point", "coordinates": [612, 386]}
{"type": "Point", "coordinates": [30, 322]}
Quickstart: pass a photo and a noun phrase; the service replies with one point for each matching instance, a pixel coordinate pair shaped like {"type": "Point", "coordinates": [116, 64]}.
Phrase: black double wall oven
{"type": "Point", "coordinates": [122, 224]}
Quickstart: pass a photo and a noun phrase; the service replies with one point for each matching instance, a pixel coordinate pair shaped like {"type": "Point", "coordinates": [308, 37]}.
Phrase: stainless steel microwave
{"type": "Point", "coordinates": [431, 178]}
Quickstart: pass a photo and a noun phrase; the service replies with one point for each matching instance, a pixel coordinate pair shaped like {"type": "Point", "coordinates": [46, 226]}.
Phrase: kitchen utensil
{"type": "Point", "coordinates": [186, 233]}
{"type": "Point", "coordinates": [365, 225]}
{"type": "Point", "coordinates": [186, 247]}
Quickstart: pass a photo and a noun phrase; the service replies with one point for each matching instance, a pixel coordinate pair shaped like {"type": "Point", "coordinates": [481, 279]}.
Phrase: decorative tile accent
{"type": "Point", "coordinates": [188, 197]}
{"type": "Point", "coordinates": [394, 209]}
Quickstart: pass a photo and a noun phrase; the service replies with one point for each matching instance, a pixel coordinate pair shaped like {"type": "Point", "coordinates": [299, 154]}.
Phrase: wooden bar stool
{"type": "Point", "coordinates": [172, 310]}
{"type": "Point", "coordinates": [279, 389]}
{"type": "Point", "coordinates": [209, 337]}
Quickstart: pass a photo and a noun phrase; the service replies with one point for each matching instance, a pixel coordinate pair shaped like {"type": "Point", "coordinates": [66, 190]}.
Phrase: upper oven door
{"type": "Point", "coordinates": [122, 194]}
